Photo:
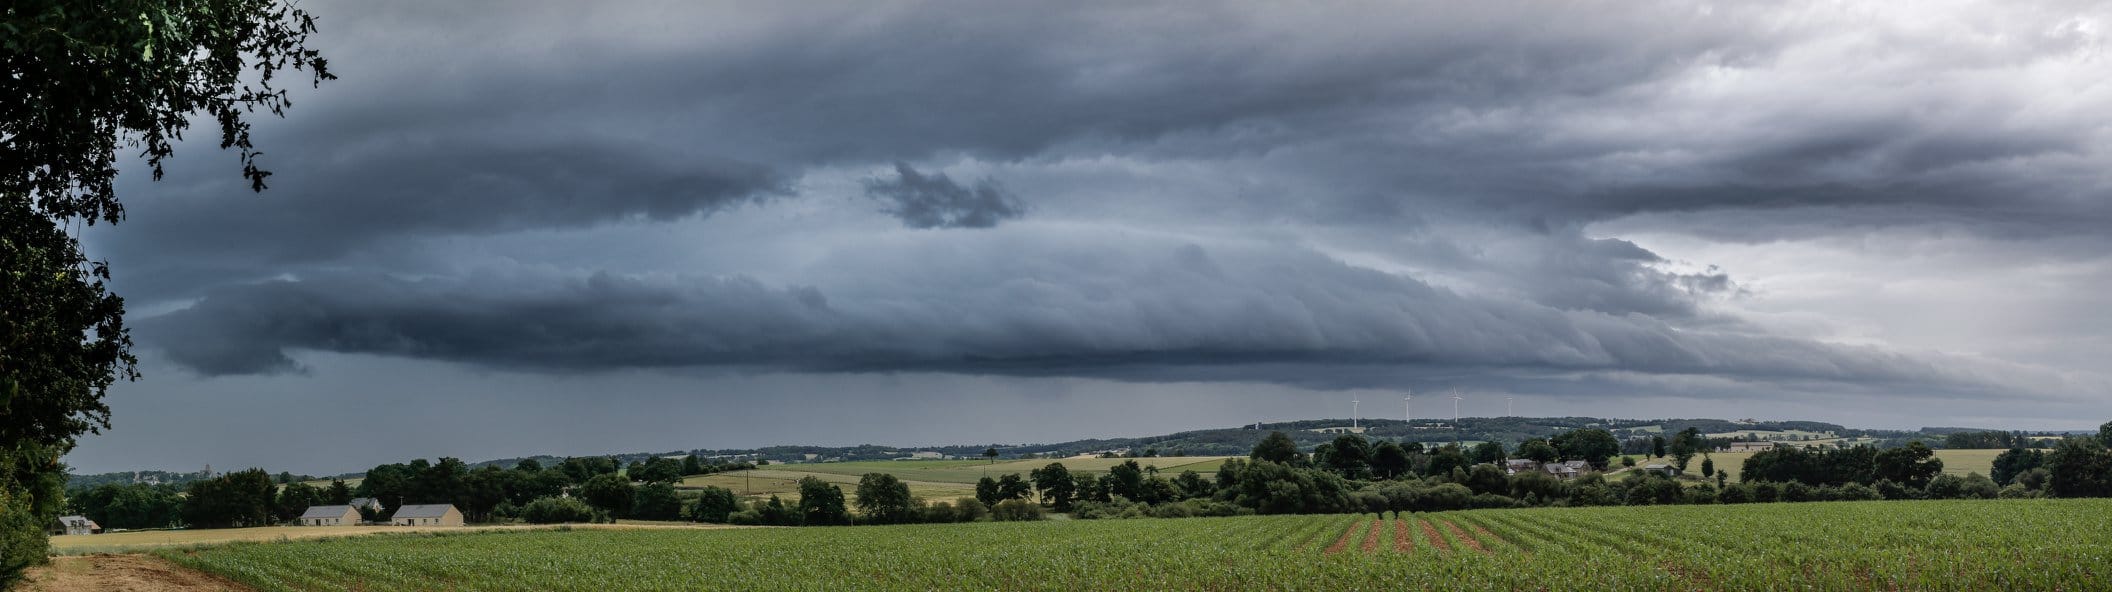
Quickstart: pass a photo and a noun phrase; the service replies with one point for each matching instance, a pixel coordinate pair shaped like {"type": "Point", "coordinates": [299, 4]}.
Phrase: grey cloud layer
{"type": "Point", "coordinates": [1379, 129]}
{"type": "Point", "coordinates": [1066, 309]}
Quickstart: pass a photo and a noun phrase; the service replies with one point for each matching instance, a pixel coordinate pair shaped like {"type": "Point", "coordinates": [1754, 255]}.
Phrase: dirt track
{"type": "Point", "coordinates": [128, 573]}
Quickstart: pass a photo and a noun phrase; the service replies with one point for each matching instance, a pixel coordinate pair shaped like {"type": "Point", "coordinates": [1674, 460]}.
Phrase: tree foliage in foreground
{"type": "Point", "coordinates": [84, 78]}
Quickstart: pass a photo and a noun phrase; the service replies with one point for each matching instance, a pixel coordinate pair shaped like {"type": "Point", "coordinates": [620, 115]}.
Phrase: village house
{"type": "Point", "coordinates": [1752, 446]}
{"type": "Point", "coordinates": [366, 503]}
{"type": "Point", "coordinates": [1567, 470]}
{"type": "Point", "coordinates": [73, 525]}
{"type": "Point", "coordinates": [330, 516]}
{"type": "Point", "coordinates": [427, 515]}
{"type": "Point", "coordinates": [1661, 469]}
{"type": "Point", "coordinates": [1520, 465]}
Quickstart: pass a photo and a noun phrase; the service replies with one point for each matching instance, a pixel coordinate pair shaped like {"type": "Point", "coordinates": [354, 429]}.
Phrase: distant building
{"type": "Point", "coordinates": [1567, 470]}
{"type": "Point", "coordinates": [330, 516]}
{"type": "Point", "coordinates": [1751, 446]}
{"type": "Point", "coordinates": [1340, 430]}
{"type": "Point", "coordinates": [926, 455]}
{"type": "Point", "coordinates": [1520, 465]}
{"type": "Point", "coordinates": [1662, 469]}
{"type": "Point", "coordinates": [65, 525]}
{"type": "Point", "coordinates": [427, 515]}
{"type": "Point", "coordinates": [367, 503]}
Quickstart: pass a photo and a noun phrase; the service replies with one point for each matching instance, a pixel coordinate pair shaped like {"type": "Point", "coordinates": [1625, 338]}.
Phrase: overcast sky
{"type": "Point", "coordinates": [572, 228]}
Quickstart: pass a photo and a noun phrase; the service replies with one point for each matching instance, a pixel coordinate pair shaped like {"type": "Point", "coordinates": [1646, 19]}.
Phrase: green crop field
{"type": "Point", "coordinates": [1928, 545]}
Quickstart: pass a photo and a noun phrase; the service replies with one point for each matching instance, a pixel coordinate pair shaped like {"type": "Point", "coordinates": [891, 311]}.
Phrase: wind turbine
{"type": "Point", "coordinates": [1507, 408]}
{"type": "Point", "coordinates": [1353, 414]}
{"type": "Point", "coordinates": [1408, 407]}
{"type": "Point", "coordinates": [1455, 417]}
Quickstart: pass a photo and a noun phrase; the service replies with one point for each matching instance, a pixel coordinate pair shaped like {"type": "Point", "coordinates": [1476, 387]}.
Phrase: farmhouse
{"type": "Point", "coordinates": [1751, 446]}
{"type": "Point", "coordinates": [427, 515]}
{"type": "Point", "coordinates": [1661, 469]}
{"type": "Point", "coordinates": [1520, 465]}
{"type": "Point", "coordinates": [73, 525]}
{"type": "Point", "coordinates": [330, 516]}
{"type": "Point", "coordinates": [366, 503]}
{"type": "Point", "coordinates": [1567, 470]}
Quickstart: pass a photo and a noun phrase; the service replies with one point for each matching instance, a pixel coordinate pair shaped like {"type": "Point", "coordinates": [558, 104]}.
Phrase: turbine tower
{"type": "Point", "coordinates": [1455, 408]}
{"type": "Point", "coordinates": [1408, 407]}
{"type": "Point", "coordinates": [1353, 414]}
{"type": "Point", "coordinates": [1507, 408]}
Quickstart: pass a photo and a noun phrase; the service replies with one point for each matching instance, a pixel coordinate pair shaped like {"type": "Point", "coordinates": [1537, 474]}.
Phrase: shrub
{"type": "Point", "coordinates": [1855, 492]}
{"type": "Point", "coordinates": [559, 510]}
{"type": "Point", "coordinates": [969, 509]}
{"type": "Point", "coordinates": [1015, 510]}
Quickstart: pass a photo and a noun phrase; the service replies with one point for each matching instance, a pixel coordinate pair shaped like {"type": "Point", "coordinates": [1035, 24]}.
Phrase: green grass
{"type": "Point", "coordinates": [1930, 545]}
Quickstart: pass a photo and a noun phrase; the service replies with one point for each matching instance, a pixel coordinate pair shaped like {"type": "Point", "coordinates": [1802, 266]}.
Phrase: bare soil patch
{"type": "Point", "coordinates": [1464, 539]}
{"type": "Point", "coordinates": [1371, 541]}
{"type": "Point", "coordinates": [1347, 537]}
{"type": "Point", "coordinates": [1436, 540]}
{"type": "Point", "coordinates": [1403, 537]}
{"type": "Point", "coordinates": [126, 573]}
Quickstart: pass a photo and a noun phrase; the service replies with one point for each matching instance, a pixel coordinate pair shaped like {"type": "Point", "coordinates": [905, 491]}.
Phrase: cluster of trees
{"type": "Point", "coordinates": [1988, 439]}
{"type": "Point", "coordinates": [1341, 476]}
{"type": "Point", "coordinates": [881, 499]}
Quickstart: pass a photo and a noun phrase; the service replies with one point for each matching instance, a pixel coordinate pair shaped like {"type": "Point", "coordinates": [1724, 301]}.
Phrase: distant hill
{"type": "Point", "coordinates": [1210, 442]}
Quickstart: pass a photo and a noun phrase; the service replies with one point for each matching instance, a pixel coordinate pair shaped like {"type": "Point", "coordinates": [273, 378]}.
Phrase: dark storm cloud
{"type": "Point", "coordinates": [1178, 313]}
{"type": "Point", "coordinates": [1385, 126]}
{"type": "Point", "coordinates": [936, 201]}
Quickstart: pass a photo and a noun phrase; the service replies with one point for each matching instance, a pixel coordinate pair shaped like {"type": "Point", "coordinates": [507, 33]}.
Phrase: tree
{"type": "Point", "coordinates": [990, 454]}
{"type": "Point", "coordinates": [1055, 484]}
{"type": "Point", "coordinates": [1350, 456]}
{"type": "Point", "coordinates": [1708, 467]}
{"type": "Point", "coordinates": [609, 492]}
{"type": "Point", "coordinates": [2080, 467]}
{"type": "Point", "coordinates": [1912, 466]}
{"type": "Point", "coordinates": [1538, 450]}
{"type": "Point", "coordinates": [656, 470]}
{"type": "Point", "coordinates": [338, 493]}
{"type": "Point", "coordinates": [714, 504]}
{"type": "Point", "coordinates": [2015, 461]}
{"type": "Point", "coordinates": [1684, 445]}
{"type": "Point", "coordinates": [1276, 448]}
{"type": "Point", "coordinates": [84, 77]}
{"type": "Point", "coordinates": [1657, 446]}
{"type": "Point", "coordinates": [294, 499]}
{"type": "Point", "coordinates": [241, 498]}
{"type": "Point", "coordinates": [1594, 446]}
{"type": "Point", "coordinates": [1489, 452]}
{"type": "Point", "coordinates": [1011, 486]}
{"type": "Point", "coordinates": [885, 499]}
{"type": "Point", "coordinates": [1389, 460]}
{"type": "Point", "coordinates": [2104, 435]}
{"type": "Point", "coordinates": [986, 491]}
{"type": "Point", "coordinates": [820, 503]}
{"type": "Point", "coordinates": [1126, 480]}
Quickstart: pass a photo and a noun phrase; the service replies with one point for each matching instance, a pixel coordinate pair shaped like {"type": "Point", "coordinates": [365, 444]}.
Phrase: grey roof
{"type": "Point", "coordinates": [361, 502]}
{"type": "Point", "coordinates": [423, 511]}
{"type": "Point", "coordinates": [325, 512]}
{"type": "Point", "coordinates": [77, 521]}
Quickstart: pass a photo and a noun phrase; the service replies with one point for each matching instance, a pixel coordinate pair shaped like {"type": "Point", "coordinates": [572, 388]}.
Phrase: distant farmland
{"type": "Point", "coordinates": [935, 480]}
{"type": "Point", "coordinates": [1922, 545]}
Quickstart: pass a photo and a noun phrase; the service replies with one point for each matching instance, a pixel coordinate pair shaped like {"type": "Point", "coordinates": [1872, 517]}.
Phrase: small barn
{"type": "Point", "coordinates": [330, 516]}
{"type": "Point", "coordinates": [73, 525]}
{"type": "Point", "coordinates": [427, 515]}
{"type": "Point", "coordinates": [1662, 469]}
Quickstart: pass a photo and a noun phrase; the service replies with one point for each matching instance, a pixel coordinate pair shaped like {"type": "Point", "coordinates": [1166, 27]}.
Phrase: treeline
{"type": "Point", "coordinates": [609, 490]}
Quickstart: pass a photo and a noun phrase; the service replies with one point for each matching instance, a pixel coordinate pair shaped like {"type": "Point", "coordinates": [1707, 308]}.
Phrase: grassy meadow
{"type": "Point", "coordinates": [1919, 545]}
